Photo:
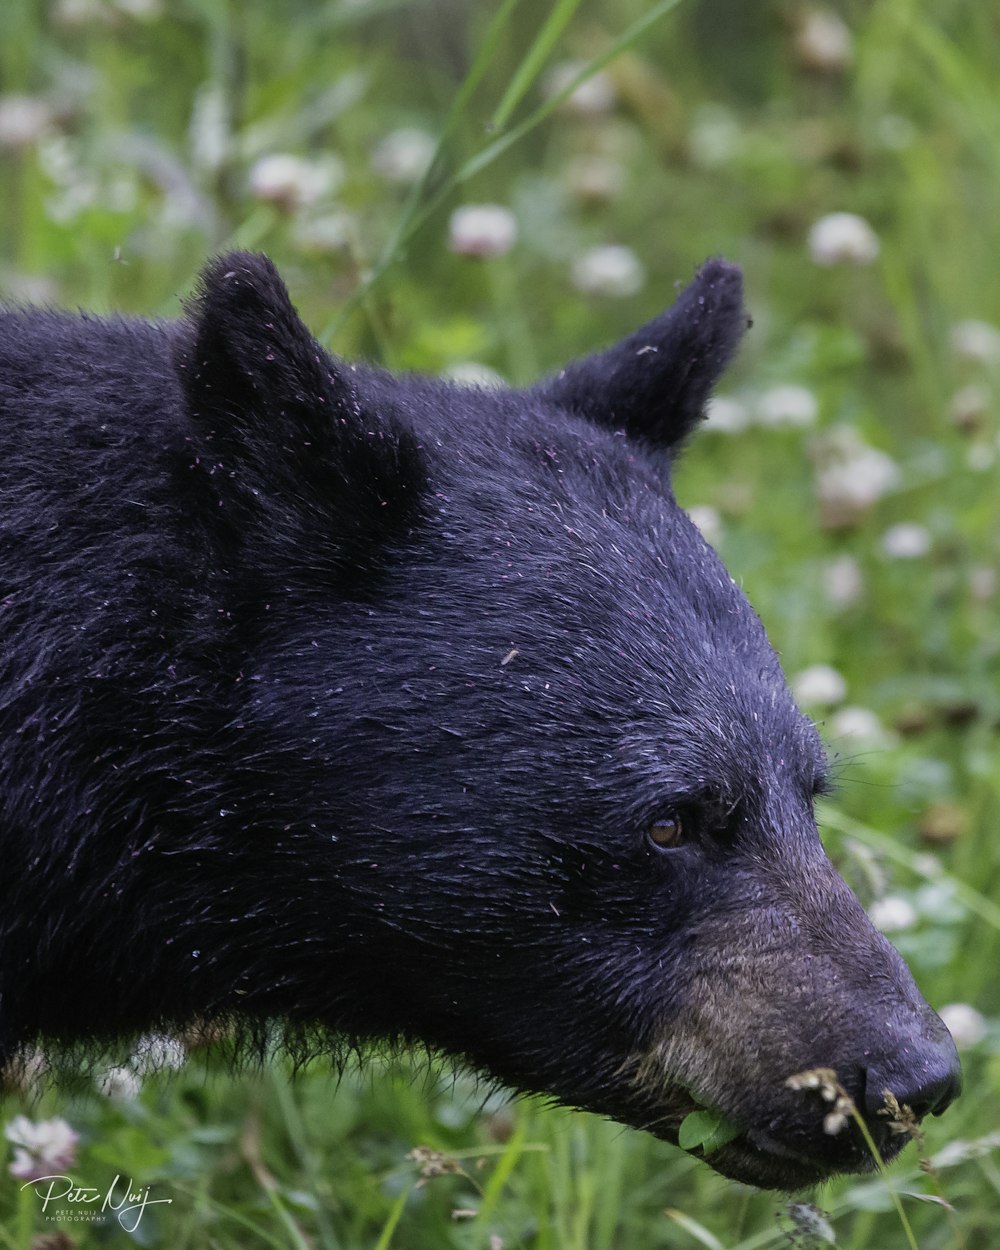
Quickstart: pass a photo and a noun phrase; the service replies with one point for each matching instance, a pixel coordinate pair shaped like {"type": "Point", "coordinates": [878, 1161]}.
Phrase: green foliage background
{"type": "Point", "coordinates": [721, 141]}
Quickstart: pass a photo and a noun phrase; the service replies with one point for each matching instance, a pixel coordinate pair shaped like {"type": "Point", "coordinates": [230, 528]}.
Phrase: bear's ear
{"type": "Point", "coordinates": [282, 443]}
{"type": "Point", "coordinates": [655, 383]}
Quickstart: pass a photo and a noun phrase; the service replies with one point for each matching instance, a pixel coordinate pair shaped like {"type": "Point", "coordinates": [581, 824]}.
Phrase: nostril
{"type": "Point", "coordinates": [928, 1084]}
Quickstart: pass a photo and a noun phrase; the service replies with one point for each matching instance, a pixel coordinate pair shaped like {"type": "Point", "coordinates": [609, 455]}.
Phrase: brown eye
{"type": "Point", "coordinates": [667, 832]}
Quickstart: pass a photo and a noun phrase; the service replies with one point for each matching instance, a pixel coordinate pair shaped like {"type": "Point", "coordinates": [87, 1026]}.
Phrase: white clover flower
{"type": "Point", "coordinates": [906, 541]}
{"type": "Point", "coordinates": [69, 204]}
{"type": "Point", "coordinates": [594, 178]}
{"type": "Point", "coordinates": [24, 120]}
{"type": "Point", "coordinates": [823, 42]}
{"type": "Point", "coordinates": [843, 581]}
{"type": "Point", "coordinates": [120, 194]}
{"type": "Point", "coordinates": [120, 1084]}
{"type": "Point", "coordinates": [106, 12]}
{"type": "Point", "coordinates": [62, 161]}
{"type": "Point", "coordinates": [892, 914]}
{"type": "Point", "coordinates": [727, 415]}
{"type": "Point", "coordinates": [294, 182]}
{"type": "Point", "coordinates": [966, 1025]}
{"type": "Point", "coordinates": [404, 155]}
{"type": "Point", "coordinates": [970, 405]}
{"type": "Point", "coordinates": [789, 406]}
{"type": "Point", "coordinates": [861, 725]}
{"type": "Point", "coordinates": [612, 269]}
{"type": "Point", "coordinates": [708, 521]}
{"type": "Point", "coordinates": [59, 159]}
{"type": "Point", "coordinates": [851, 476]}
{"type": "Point", "coordinates": [895, 132]}
{"type": "Point", "coordinates": [44, 1147]}
{"type": "Point", "coordinates": [330, 232]}
{"type": "Point", "coordinates": [715, 136]}
{"type": "Point", "coordinates": [79, 12]}
{"type": "Point", "coordinates": [156, 1051]}
{"type": "Point", "coordinates": [843, 239]}
{"type": "Point", "coordinates": [927, 865]}
{"type": "Point", "coordinates": [983, 583]}
{"type": "Point", "coordinates": [472, 373]}
{"type": "Point", "coordinates": [594, 96]}
{"type": "Point", "coordinates": [977, 342]}
{"type": "Point", "coordinates": [482, 230]}
{"type": "Point", "coordinates": [141, 10]}
{"type": "Point", "coordinates": [820, 685]}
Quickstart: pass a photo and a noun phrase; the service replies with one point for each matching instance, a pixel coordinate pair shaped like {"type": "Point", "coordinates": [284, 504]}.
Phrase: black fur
{"type": "Point", "coordinates": [348, 701]}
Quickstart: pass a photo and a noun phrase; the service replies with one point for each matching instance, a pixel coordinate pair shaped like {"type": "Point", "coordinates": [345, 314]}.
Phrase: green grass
{"type": "Point", "coordinates": [720, 144]}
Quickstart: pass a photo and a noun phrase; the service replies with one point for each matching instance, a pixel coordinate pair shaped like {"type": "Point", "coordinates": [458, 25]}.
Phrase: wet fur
{"type": "Point", "coordinates": [346, 701]}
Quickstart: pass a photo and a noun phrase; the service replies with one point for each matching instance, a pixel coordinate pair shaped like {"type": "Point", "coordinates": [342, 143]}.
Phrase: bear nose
{"type": "Point", "coordinates": [927, 1080]}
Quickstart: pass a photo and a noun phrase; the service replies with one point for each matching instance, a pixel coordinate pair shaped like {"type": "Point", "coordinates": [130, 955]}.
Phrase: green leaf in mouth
{"type": "Point", "coordinates": [708, 1129]}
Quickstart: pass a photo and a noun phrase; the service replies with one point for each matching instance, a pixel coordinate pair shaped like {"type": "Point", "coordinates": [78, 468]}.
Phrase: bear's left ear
{"type": "Point", "coordinates": [284, 448]}
{"type": "Point", "coordinates": [655, 384]}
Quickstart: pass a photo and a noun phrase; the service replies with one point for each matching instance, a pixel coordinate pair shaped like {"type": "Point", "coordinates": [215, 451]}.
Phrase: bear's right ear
{"type": "Point", "coordinates": [282, 444]}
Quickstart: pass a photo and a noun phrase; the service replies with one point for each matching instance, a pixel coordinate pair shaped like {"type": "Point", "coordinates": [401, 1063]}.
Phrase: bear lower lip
{"type": "Point", "coordinates": [743, 1161]}
{"type": "Point", "coordinates": [755, 1158]}
{"type": "Point", "coordinates": [786, 1155]}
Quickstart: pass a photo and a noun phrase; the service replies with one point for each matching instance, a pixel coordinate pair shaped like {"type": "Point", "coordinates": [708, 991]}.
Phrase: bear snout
{"type": "Point", "coordinates": [925, 1077]}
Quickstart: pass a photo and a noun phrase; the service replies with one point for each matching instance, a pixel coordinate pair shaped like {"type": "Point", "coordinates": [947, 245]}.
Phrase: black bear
{"type": "Point", "coordinates": [392, 709]}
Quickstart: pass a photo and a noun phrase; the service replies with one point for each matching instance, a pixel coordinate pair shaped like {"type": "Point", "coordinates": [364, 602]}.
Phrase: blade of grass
{"type": "Point", "coordinates": [484, 58]}
{"type": "Point", "coordinates": [883, 1172]}
{"type": "Point", "coordinates": [395, 1215]}
{"type": "Point", "coordinates": [531, 66]}
{"type": "Point", "coordinates": [297, 1239]}
{"type": "Point", "coordinates": [970, 898]}
{"type": "Point", "coordinates": [227, 1213]}
{"type": "Point", "coordinates": [305, 1155]}
{"type": "Point", "coordinates": [961, 82]}
{"type": "Point", "coordinates": [493, 1189]}
{"type": "Point", "coordinates": [411, 223]}
{"type": "Point", "coordinates": [698, 1231]}
{"type": "Point", "coordinates": [250, 232]}
{"type": "Point", "coordinates": [633, 33]}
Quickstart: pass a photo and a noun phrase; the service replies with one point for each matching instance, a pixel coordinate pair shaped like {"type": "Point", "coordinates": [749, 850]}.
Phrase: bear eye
{"type": "Point", "coordinates": [667, 832]}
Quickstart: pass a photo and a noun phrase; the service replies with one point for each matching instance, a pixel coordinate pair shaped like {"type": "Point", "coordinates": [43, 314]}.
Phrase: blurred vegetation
{"type": "Point", "coordinates": [859, 508]}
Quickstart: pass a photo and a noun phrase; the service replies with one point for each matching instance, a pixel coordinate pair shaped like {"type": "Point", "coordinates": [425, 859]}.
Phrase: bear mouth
{"type": "Point", "coordinates": [755, 1157]}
